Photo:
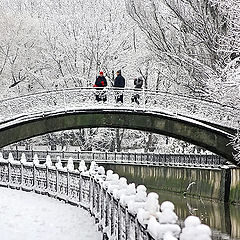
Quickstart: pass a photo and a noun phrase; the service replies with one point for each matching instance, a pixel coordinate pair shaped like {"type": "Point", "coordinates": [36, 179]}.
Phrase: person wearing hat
{"type": "Point", "coordinates": [100, 83]}
{"type": "Point", "coordinates": [119, 82]}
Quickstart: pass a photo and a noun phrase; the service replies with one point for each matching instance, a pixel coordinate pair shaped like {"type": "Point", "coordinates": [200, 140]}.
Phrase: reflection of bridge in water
{"type": "Point", "coordinates": [203, 123]}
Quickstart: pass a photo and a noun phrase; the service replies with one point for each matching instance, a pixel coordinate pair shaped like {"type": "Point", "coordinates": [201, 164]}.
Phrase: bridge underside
{"type": "Point", "coordinates": [194, 132]}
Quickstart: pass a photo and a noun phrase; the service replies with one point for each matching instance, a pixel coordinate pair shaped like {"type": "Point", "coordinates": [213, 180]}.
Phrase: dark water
{"type": "Point", "coordinates": [224, 219]}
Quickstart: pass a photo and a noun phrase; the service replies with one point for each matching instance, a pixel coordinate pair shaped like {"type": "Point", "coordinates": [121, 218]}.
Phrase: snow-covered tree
{"type": "Point", "coordinates": [186, 39]}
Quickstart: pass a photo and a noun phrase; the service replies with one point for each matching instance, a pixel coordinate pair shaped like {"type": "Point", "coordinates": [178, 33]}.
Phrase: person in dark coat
{"type": "Point", "coordinates": [119, 82]}
{"type": "Point", "coordinates": [100, 83]}
{"type": "Point", "coordinates": [138, 82]}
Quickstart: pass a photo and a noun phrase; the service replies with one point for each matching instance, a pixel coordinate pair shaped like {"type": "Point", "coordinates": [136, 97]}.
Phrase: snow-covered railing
{"type": "Point", "coordinates": [158, 159]}
{"type": "Point", "coordinates": [144, 100]}
{"type": "Point", "coordinates": [122, 211]}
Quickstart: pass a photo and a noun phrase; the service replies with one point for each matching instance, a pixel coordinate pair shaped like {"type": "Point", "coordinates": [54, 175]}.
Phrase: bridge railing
{"type": "Point", "coordinates": [77, 188]}
{"type": "Point", "coordinates": [158, 159]}
{"type": "Point", "coordinates": [85, 98]}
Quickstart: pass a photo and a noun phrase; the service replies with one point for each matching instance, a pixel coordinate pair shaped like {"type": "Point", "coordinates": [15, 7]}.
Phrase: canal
{"type": "Point", "coordinates": [202, 198]}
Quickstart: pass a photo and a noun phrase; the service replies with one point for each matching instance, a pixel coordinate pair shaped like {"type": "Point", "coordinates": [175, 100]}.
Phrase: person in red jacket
{"type": "Point", "coordinates": [100, 83]}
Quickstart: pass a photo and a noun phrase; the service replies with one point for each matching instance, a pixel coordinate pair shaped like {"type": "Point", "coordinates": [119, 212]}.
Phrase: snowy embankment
{"type": "Point", "coordinates": [29, 216]}
{"type": "Point", "coordinates": [119, 208]}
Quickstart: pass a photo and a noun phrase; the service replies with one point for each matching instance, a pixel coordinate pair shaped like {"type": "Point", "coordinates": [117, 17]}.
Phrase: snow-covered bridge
{"type": "Point", "coordinates": [203, 123]}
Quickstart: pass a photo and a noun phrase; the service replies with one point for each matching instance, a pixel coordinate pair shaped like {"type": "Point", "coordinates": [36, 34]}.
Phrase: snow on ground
{"type": "Point", "coordinates": [30, 216]}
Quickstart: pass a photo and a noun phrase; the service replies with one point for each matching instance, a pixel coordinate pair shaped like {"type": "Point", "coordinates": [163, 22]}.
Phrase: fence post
{"type": "Point", "coordinates": [17, 153]}
{"type": "Point", "coordinates": [144, 99]}
{"type": "Point", "coordinates": [47, 180]}
{"type": "Point", "coordinates": [34, 176]}
{"type": "Point", "coordinates": [106, 156]}
{"type": "Point", "coordinates": [200, 159]}
{"type": "Point", "coordinates": [21, 176]}
{"type": "Point", "coordinates": [91, 196]}
{"type": "Point", "coordinates": [112, 215]}
{"type": "Point", "coordinates": [57, 181]}
{"type": "Point", "coordinates": [127, 225]}
{"type": "Point", "coordinates": [137, 237]}
{"type": "Point", "coordinates": [119, 216]}
{"type": "Point", "coordinates": [80, 187]}
{"type": "Point", "coordinates": [68, 183]}
{"type": "Point", "coordinates": [9, 173]}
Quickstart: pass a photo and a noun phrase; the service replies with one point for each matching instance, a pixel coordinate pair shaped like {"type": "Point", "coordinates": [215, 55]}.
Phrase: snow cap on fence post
{"type": "Point", "coordinates": [23, 159]}
{"type": "Point", "coordinates": [10, 157]}
{"type": "Point", "coordinates": [93, 168]}
{"type": "Point", "coordinates": [59, 165]}
{"type": "Point", "coordinates": [99, 174]}
{"type": "Point", "coordinates": [152, 203]}
{"type": "Point", "coordinates": [163, 231]}
{"type": "Point", "coordinates": [139, 200]}
{"type": "Point", "coordinates": [194, 229]}
{"type": "Point", "coordinates": [109, 175]}
{"type": "Point", "coordinates": [35, 159]}
{"type": "Point", "coordinates": [82, 166]}
{"type": "Point", "coordinates": [111, 181]}
{"type": "Point", "coordinates": [101, 170]}
{"type": "Point", "coordinates": [70, 165]}
{"type": "Point", "coordinates": [122, 182]}
{"type": "Point", "coordinates": [141, 194]}
{"type": "Point", "coordinates": [121, 190]}
{"type": "Point", "coordinates": [48, 161]}
{"type": "Point", "coordinates": [167, 214]}
{"type": "Point", "coordinates": [150, 209]}
{"type": "Point", "coordinates": [129, 194]}
{"type": "Point", "coordinates": [1, 157]}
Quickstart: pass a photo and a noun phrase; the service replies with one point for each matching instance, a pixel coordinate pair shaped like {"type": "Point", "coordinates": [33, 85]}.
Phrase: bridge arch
{"type": "Point", "coordinates": [201, 134]}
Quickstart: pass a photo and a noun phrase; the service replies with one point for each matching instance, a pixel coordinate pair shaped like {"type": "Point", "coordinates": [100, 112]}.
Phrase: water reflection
{"type": "Point", "coordinates": [224, 219]}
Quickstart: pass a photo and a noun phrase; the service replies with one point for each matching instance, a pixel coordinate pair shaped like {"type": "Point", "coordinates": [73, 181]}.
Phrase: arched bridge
{"type": "Point", "coordinates": [206, 124]}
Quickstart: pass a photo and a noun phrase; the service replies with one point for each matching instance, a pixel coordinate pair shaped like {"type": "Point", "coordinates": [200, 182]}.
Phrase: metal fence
{"type": "Point", "coordinates": [157, 159]}
{"type": "Point", "coordinates": [85, 98]}
{"type": "Point", "coordinates": [79, 189]}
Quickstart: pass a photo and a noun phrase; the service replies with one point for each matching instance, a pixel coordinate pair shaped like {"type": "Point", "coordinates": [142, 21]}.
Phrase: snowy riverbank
{"type": "Point", "coordinates": [28, 216]}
